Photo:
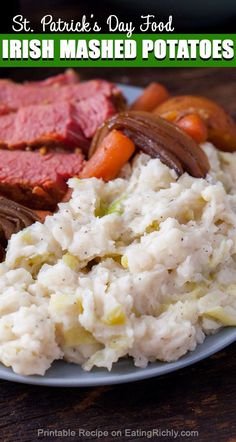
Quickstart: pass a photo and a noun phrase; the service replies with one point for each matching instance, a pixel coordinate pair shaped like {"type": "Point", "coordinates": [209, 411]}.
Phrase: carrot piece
{"type": "Point", "coordinates": [194, 126]}
{"type": "Point", "coordinates": [42, 214]}
{"type": "Point", "coordinates": [113, 152]}
{"type": "Point", "coordinates": [153, 95]}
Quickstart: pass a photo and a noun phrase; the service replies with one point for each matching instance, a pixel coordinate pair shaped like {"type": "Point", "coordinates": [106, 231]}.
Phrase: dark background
{"type": "Point", "coordinates": [207, 15]}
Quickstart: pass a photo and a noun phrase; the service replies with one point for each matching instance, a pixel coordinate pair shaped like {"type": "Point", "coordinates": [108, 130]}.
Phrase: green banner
{"type": "Point", "coordinates": [117, 50]}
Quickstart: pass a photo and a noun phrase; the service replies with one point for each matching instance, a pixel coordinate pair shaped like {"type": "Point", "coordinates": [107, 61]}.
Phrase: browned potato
{"type": "Point", "coordinates": [221, 127]}
{"type": "Point", "coordinates": [153, 95]}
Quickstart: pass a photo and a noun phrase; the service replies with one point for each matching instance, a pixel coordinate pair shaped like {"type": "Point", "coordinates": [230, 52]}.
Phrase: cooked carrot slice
{"type": "Point", "coordinates": [107, 161]}
{"type": "Point", "coordinates": [153, 95]}
{"type": "Point", "coordinates": [194, 126]}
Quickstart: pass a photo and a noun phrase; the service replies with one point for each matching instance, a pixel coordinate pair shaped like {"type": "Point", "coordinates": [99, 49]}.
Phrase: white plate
{"type": "Point", "coordinates": [63, 374]}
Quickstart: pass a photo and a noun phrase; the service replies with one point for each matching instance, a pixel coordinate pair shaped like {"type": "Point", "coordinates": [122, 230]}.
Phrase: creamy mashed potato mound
{"type": "Point", "coordinates": [142, 266]}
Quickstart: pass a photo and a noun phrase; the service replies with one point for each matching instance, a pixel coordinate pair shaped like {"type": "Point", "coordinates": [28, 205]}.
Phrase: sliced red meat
{"type": "Point", "coordinates": [38, 181]}
{"type": "Point", "coordinates": [65, 124]}
{"type": "Point", "coordinates": [4, 109]}
{"type": "Point", "coordinates": [14, 96]}
{"type": "Point", "coordinates": [67, 77]}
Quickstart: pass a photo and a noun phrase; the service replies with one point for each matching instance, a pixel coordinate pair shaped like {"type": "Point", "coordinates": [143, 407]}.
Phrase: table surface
{"type": "Point", "coordinates": [200, 398]}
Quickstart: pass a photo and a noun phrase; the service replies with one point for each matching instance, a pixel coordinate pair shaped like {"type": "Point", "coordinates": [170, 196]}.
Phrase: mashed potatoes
{"type": "Point", "coordinates": [142, 266]}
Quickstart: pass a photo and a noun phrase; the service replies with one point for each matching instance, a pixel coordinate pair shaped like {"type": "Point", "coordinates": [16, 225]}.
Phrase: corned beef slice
{"type": "Point", "coordinates": [66, 124]}
{"type": "Point", "coordinates": [4, 109]}
{"type": "Point", "coordinates": [38, 181]}
{"type": "Point", "coordinates": [67, 77]}
{"type": "Point", "coordinates": [14, 96]}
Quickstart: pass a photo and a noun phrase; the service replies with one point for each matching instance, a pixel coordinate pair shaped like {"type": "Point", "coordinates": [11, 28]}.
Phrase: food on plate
{"type": "Point", "coordinates": [41, 214]}
{"type": "Point", "coordinates": [158, 138]}
{"type": "Point", "coordinates": [13, 218]}
{"type": "Point", "coordinates": [52, 122]}
{"type": "Point", "coordinates": [153, 95]}
{"type": "Point", "coordinates": [139, 257]}
{"type": "Point", "coordinates": [15, 96]}
{"type": "Point", "coordinates": [141, 266]}
{"type": "Point", "coordinates": [221, 127]}
{"type": "Point", "coordinates": [113, 152]}
{"type": "Point", "coordinates": [35, 180]}
{"type": "Point", "coordinates": [65, 124]}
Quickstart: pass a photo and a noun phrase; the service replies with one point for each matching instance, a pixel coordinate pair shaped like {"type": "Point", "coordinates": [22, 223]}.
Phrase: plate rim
{"type": "Point", "coordinates": [151, 371]}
